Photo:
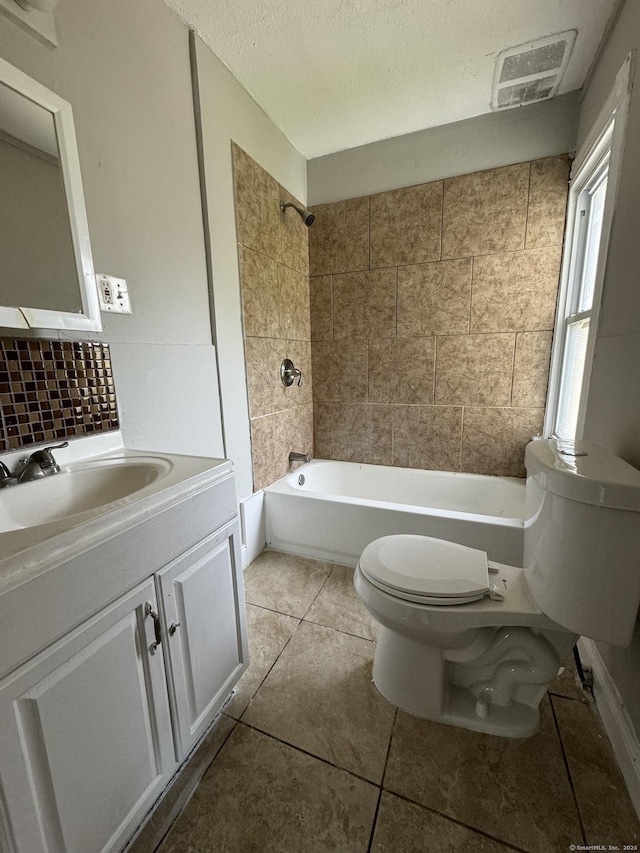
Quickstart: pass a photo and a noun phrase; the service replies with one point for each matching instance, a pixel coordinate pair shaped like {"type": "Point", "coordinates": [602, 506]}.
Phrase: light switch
{"type": "Point", "coordinates": [113, 294]}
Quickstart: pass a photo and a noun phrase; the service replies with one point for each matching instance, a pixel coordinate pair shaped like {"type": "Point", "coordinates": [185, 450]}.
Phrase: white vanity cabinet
{"type": "Point", "coordinates": [98, 709]}
{"type": "Point", "coordinates": [85, 734]}
{"type": "Point", "coordinates": [202, 605]}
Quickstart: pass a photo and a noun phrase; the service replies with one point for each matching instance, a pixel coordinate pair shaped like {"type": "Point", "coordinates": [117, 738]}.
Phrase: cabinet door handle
{"type": "Point", "coordinates": [149, 611]}
{"type": "Point", "coordinates": [173, 628]}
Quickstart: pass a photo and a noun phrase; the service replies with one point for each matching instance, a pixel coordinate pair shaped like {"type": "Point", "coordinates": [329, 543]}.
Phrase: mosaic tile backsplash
{"type": "Point", "coordinates": [54, 390]}
{"type": "Point", "coordinates": [432, 311]}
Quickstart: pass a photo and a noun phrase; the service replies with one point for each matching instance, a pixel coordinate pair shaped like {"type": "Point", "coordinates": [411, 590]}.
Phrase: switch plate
{"type": "Point", "coordinates": [113, 294]}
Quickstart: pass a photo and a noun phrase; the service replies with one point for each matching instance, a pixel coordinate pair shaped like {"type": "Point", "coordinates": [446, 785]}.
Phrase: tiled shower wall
{"type": "Point", "coordinates": [432, 310]}
{"type": "Point", "coordinates": [274, 275]}
{"type": "Point", "coordinates": [54, 390]}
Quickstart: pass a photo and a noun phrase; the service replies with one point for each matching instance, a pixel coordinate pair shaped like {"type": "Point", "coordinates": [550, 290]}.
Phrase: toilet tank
{"type": "Point", "coordinates": [582, 538]}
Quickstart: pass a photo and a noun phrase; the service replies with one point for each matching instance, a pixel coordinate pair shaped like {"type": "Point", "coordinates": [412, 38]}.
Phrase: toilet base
{"type": "Point", "coordinates": [411, 675]}
{"type": "Point", "coordinates": [515, 720]}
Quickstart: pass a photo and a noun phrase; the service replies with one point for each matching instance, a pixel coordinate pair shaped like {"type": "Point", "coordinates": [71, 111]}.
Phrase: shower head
{"type": "Point", "coordinates": [307, 217]}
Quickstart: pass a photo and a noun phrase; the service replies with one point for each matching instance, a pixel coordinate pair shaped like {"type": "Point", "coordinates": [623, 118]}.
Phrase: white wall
{"type": "Point", "coordinates": [613, 411]}
{"type": "Point", "coordinates": [229, 113]}
{"type": "Point", "coordinates": [125, 69]}
{"type": "Point", "coordinates": [484, 142]}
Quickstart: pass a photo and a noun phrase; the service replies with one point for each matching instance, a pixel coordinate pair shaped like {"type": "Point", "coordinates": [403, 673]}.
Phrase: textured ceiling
{"type": "Point", "coordinates": [334, 74]}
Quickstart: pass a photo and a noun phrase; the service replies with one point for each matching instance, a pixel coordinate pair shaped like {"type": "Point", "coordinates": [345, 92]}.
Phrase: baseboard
{"type": "Point", "coordinates": [615, 719]}
{"type": "Point", "coordinates": [252, 519]}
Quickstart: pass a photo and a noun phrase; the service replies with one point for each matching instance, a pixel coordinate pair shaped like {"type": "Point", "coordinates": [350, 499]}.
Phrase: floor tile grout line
{"type": "Point", "coordinates": [339, 630]}
{"type": "Point", "coordinates": [456, 820]}
{"type": "Point", "coordinates": [268, 672]}
{"type": "Point", "coordinates": [374, 822]}
{"type": "Point", "coordinates": [563, 696]}
{"type": "Point", "coordinates": [311, 621]}
{"type": "Point", "coordinates": [273, 610]}
{"type": "Point", "coordinates": [326, 580]}
{"type": "Point", "coordinates": [384, 772]}
{"type": "Point", "coordinates": [567, 768]}
{"type": "Point", "coordinates": [386, 759]}
{"type": "Point", "coordinates": [310, 754]}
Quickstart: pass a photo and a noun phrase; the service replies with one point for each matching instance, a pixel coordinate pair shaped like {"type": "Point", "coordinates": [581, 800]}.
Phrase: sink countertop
{"type": "Point", "coordinates": [27, 552]}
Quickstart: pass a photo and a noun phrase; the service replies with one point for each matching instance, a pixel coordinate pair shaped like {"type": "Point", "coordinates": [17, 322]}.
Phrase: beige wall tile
{"type": "Point", "coordinates": [392, 242]}
{"type": "Point", "coordinates": [299, 431]}
{"type": "Point", "coordinates": [295, 236]}
{"type": "Point", "coordinates": [547, 201]}
{"type": "Point", "coordinates": [324, 418]}
{"type": "Point", "coordinates": [300, 354]}
{"type": "Point", "coordinates": [531, 368]}
{"type": "Point", "coordinates": [339, 238]}
{"type": "Point", "coordinates": [295, 314]}
{"type": "Point", "coordinates": [257, 206]}
{"type": "Point", "coordinates": [364, 304]}
{"type": "Point", "coordinates": [485, 212]}
{"type": "Point", "coordinates": [474, 370]}
{"type": "Point", "coordinates": [434, 299]}
{"type": "Point", "coordinates": [340, 371]}
{"type": "Point", "coordinates": [321, 299]}
{"type": "Point", "coordinates": [493, 440]}
{"type": "Point", "coordinates": [363, 434]}
{"type": "Point", "coordinates": [427, 437]}
{"type": "Point", "coordinates": [269, 448]}
{"type": "Point", "coordinates": [263, 359]}
{"type": "Point", "coordinates": [515, 291]}
{"type": "Point", "coordinates": [273, 437]}
{"type": "Point", "coordinates": [260, 294]}
{"type": "Point", "coordinates": [401, 370]}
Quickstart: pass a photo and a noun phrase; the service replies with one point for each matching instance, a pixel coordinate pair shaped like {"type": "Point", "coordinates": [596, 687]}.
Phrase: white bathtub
{"type": "Point", "coordinates": [342, 506]}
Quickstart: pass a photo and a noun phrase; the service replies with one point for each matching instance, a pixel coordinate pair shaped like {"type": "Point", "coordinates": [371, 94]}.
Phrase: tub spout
{"type": "Point", "coordinates": [299, 457]}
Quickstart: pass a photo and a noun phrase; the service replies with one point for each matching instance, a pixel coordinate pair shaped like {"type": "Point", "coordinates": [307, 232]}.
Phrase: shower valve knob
{"type": "Point", "coordinates": [289, 373]}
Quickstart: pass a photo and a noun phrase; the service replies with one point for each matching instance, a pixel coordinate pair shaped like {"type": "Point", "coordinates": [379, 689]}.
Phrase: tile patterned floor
{"type": "Point", "coordinates": [309, 757]}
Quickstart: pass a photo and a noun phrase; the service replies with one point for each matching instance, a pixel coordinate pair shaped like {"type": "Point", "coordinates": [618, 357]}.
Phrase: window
{"type": "Point", "coordinates": [587, 234]}
{"type": "Point", "coordinates": [591, 202]}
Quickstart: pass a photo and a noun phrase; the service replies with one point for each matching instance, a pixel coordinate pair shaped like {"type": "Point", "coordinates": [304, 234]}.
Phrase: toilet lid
{"type": "Point", "coordinates": [417, 567]}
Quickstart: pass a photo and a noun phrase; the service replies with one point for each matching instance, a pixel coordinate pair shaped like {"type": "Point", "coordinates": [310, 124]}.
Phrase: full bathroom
{"type": "Point", "coordinates": [303, 359]}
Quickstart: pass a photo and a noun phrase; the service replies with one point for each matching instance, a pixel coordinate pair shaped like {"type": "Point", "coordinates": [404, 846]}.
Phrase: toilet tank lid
{"type": "Point", "coordinates": [584, 472]}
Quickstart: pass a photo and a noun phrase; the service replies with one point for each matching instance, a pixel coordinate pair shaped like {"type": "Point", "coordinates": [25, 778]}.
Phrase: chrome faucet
{"type": "Point", "coordinates": [299, 457]}
{"type": "Point", "coordinates": [40, 464]}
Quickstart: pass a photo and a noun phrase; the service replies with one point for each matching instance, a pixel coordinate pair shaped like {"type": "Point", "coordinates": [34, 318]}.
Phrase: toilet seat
{"type": "Point", "coordinates": [426, 570]}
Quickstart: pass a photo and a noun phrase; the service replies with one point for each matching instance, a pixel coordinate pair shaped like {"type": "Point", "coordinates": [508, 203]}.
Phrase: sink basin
{"type": "Point", "coordinates": [81, 491]}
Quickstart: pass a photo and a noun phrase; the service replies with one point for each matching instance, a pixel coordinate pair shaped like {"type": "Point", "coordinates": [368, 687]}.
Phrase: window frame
{"type": "Point", "coordinates": [606, 139]}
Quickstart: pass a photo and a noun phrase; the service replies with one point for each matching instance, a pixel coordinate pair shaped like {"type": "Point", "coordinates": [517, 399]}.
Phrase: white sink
{"type": "Point", "coordinates": [80, 491]}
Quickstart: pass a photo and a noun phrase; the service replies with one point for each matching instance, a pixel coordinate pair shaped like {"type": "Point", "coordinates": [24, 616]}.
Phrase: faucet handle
{"type": "Point", "coordinates": [44, 456]}
{"type": "Point", "coordinates": [55, 446]}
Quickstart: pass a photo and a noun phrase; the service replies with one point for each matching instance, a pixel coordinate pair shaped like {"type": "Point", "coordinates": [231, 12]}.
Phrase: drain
{"type": "Point", "coordinates": [301, 480]}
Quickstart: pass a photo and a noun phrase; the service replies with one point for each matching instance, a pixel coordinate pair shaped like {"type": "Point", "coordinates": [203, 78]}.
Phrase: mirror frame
{"type": "Point", "coordinates": [88, 320]}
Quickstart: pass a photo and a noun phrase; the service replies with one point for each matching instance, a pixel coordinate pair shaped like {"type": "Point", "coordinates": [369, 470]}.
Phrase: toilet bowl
{"type": "Point", "coordinates": [476, 644]}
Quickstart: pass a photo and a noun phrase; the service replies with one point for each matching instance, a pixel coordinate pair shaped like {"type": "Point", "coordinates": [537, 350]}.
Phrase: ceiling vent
{"type": "Point", "coordinates": [531, 72]}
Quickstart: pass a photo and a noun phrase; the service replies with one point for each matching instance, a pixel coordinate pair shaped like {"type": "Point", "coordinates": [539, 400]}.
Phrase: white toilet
{"type": "Point", "coordinates": [475, 644]}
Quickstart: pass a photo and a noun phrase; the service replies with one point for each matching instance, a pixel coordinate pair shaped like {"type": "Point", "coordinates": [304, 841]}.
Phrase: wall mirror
{"type": "Point", "coordinates": [47, 278]}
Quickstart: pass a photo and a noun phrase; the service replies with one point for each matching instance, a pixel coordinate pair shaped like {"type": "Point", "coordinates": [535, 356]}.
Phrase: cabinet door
{"type": "Point", "coordinates": [202, 597]}
{"type": "Point", "coordinates": [85, 735]}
